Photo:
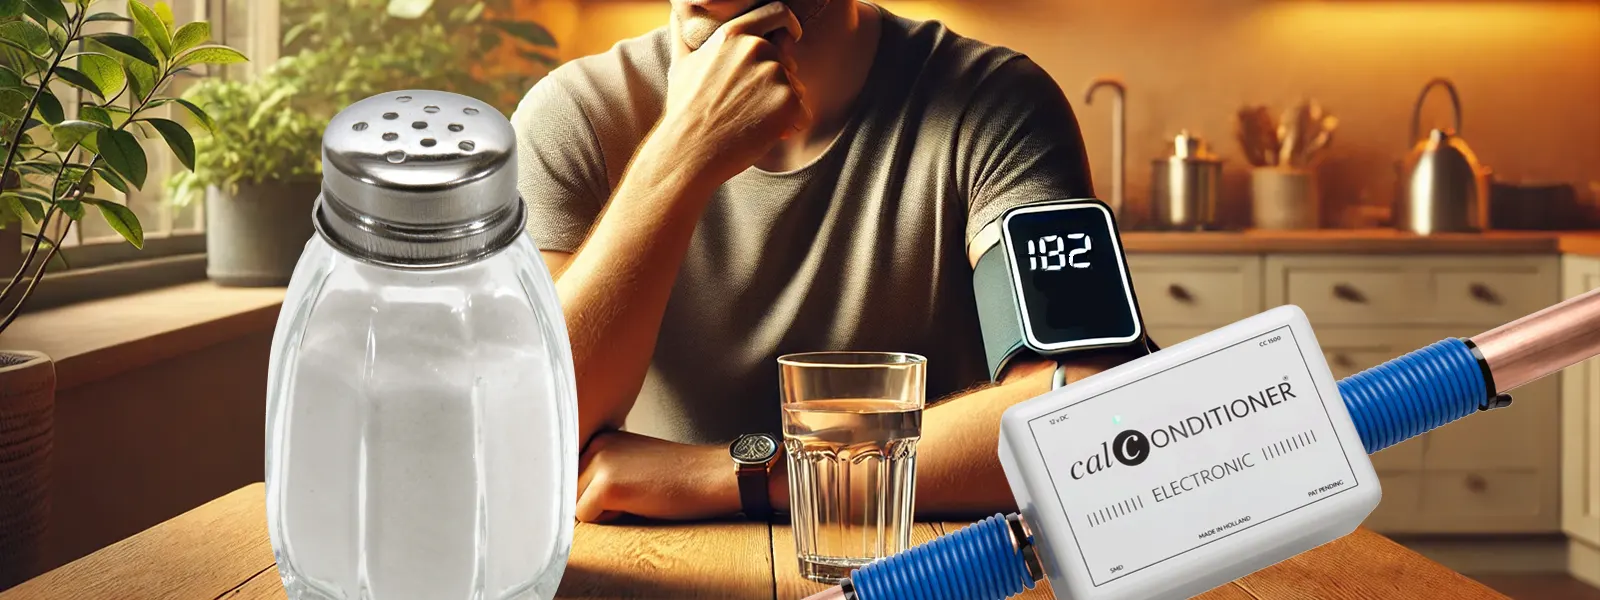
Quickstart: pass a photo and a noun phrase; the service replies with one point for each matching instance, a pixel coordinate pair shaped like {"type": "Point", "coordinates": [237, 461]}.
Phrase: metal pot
{"type": "Point", "coordinates": [1184, 187]}
{"type": "Point", "coordinates": [1443, 188]}
{"type": "Point", "coordinates": [254, 237]}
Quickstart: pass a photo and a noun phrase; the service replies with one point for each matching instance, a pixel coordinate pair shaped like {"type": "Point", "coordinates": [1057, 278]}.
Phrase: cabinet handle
{"type": "Point", "coordinates": [1349, 293]}
{"type": "Point", "coordinates": [1476, 483]}
{"type": "Point", "coordinates": [1483, 294]}
{"type": "Point", "coordinates": [1343, 361]}
{"type": "Point", "coordinates": [1180, 293]}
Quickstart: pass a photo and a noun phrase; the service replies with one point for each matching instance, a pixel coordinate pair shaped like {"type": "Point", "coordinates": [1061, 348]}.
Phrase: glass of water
{"type": "Point", "coordinates": [851, 421]}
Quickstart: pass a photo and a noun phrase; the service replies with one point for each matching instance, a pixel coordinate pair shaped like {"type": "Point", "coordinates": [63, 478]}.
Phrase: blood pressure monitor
{"type": "Point", "coordinates": [1050, 278]}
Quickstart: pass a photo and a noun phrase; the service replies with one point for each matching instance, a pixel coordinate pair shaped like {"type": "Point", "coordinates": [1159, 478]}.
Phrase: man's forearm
{"type": "Point", "coordinates": [614, 290]}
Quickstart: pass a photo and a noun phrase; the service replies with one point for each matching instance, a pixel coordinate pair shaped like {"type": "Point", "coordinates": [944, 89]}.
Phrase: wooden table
{"type": "Point", "coordinates": [220, 551]}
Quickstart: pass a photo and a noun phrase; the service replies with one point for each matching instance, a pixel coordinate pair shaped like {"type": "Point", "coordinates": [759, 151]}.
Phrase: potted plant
{"type": "Point", "coordinates": [258, 174]}
{"type": "Point", "coordinates": [259, 169]}
{"type": "Point", "coordinates": [56, 169]}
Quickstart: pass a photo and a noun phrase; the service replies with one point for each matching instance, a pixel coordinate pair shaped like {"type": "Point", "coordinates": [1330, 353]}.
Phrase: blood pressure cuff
{"type": "Point", "coordinates": [997, 311]}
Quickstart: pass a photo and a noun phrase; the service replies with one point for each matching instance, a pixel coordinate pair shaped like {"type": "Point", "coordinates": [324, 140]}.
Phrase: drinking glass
{"type": "Point", "coordinates": [851, 421]}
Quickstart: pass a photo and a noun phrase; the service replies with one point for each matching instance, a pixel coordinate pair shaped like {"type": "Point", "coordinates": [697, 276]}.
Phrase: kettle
{"type": "Point", "coordinates": [1443, 188]}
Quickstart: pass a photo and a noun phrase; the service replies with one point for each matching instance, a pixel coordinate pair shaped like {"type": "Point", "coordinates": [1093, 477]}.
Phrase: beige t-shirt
{"type": "Point", "coordinates": [863, 249]}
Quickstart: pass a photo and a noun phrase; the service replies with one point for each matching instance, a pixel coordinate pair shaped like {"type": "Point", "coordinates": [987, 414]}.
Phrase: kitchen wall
{"type": "Point", "coordinates": [1528, 74]}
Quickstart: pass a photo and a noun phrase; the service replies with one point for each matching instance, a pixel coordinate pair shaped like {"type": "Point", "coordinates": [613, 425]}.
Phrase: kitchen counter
{"type": "Point", "coordinates": [1362, 241]}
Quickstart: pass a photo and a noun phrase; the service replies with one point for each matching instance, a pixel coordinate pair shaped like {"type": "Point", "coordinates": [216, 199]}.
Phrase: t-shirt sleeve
{"type": "Point", "coordinates": [561, 171]}
{"type": "Point", "coordinates": [1021, 144]}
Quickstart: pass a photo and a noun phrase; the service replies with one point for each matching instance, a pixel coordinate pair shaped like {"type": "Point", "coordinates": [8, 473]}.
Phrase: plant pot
{"type": "Point", "coordinates": [27, 418]}
{"type": "Point", "coordinates": [255, 236]}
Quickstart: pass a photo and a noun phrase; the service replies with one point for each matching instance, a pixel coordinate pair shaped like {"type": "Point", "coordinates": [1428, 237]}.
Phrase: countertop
{"type": "Point", "coordinates": [221, 550]}
{"type": "Point", "coordinates": [1362, 241]}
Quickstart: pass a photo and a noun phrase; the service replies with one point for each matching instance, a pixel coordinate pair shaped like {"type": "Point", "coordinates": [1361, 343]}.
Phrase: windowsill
{"type": "Point", "coordinates": [89, 341]}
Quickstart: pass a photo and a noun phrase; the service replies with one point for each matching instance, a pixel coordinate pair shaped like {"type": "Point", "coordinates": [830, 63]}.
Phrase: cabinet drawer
{"type": "Point", "coordinates": [1483, 493]}
{"type": "Point", "coordinates": [1526, 434]}
{"type": "Point", "coordinates": [1422, 290]}
{"type": "Point", "coordinates": [1196, 290]}
{"type": "Point", "coordinates": [1491, 296]}
{"type": "Point", "coordinates": [1402, 500]}
{"type": "Point", "coordinates": [1343, 296]}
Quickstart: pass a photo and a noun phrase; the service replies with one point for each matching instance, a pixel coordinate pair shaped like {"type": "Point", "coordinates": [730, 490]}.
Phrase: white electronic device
{"type": "Point", "coordinates": [1236, 441]}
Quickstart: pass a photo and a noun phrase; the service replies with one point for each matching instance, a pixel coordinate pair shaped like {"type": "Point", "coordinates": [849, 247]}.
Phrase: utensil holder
{"type": "Point", "coordinates": [1284, 198]}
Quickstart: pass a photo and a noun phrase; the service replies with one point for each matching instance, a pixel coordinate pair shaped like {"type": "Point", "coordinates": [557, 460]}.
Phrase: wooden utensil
{"type": "Point", "coordinates": [1257, 135]}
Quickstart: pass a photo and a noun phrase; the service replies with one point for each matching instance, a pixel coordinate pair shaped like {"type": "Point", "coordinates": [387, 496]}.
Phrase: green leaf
{"type": "Point", "coordinates": [151, 25]}
{"type": "Point", "coordinates": [8, 77]}
{"type": "Point", "coordinates": [107, 16]}
{"type": "Point", "coordinates": [127, 45]}
{"type": "Point", "coordinates": [58, 39]}
{"type": "Point", "coordinates": [121, 219]}
{"type": "Point", "coordinates": [10, 8]}
{"type": "Point", "coordinates": [104, 71]}
{"type": "Point", "coordinates": [49, 108]}
{"type": "Point", "coordinates": [32, 194]}
{"type": "Point", "coordinates": [111, 178]}
{"type": "Point", "coordinates": [210, 55]}
{"type": "Point", "coordinates": [53, 9]}
{"type": "Point", "coordinates": [294, 33]}
{"type": "Point", "coordinates": [191, 35]}
{"type": "Point", "coordinates": [527, 31]}
{"type": "Point", "coordinates": [72, 208]}
{"type": "Point", "coordinates": [549, 62]}
{"type": "Point", "coordinates": [164, 11]}
{"type": "Point", "coordinates": [199, 115]}
{"type": "Point", "coordinates": [408, 9]}
{"type": "Point", "coordinates": [11, 209]}
{"type": "Point", "coordinates": [178, 139]}
{"type": "Point", "coordinates": [77, 78]}
{"type": "Point", "coordinates": [69, 133]}
{"type": "Point", "coordinates": [122, 152]}
{"type": "Point", "coordinates": [26, 206]}
{"type": "Point", "coordinates": [141, 78]}
{"type": "Point", "coordinates": [12, 101]}
{"type": "Point", "coordinates": [95, 114]}
{"type": "Point", "coordinates": [25, 35]}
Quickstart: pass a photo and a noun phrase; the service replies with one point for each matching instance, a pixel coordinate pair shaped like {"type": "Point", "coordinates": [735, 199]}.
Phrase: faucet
{"type": "Point", "coordinates": [1119, 133]}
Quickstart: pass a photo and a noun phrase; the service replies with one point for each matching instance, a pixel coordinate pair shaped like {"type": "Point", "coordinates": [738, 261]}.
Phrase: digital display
{"type": "Point", "coordinates": [1067, 266]}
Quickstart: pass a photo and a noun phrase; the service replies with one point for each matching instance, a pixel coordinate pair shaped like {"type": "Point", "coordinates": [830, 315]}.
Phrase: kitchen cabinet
{"type": "Point", "coordinates": [1497, 472]}
{"type": "Point", "coordinates": [1580, 439]}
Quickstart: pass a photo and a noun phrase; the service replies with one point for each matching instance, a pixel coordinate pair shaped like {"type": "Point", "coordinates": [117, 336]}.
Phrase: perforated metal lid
{"type": "Point", "coordinates": [419, 179]}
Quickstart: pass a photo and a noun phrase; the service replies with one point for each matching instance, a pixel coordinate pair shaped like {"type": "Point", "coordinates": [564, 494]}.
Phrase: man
{"type": "Point", "coordinates": [739, 185]}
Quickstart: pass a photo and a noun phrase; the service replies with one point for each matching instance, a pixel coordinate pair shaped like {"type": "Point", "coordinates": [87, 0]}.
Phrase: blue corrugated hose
{"type": "Point", "coordinates": [1405, 397]}
{"type": "Point", "coordinates": [1390, 403]}
{"type": "Point", "coordinates": [978, 561]}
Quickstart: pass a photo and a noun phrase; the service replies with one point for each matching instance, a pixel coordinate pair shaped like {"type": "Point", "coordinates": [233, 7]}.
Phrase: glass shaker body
{"type": "Point", "coordinates": [421, 404]}
{"type": "Point", "coordinates": [421, 431]}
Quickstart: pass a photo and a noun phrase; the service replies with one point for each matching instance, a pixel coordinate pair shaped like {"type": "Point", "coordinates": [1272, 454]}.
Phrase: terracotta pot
{"type": "Point", "coordinates": [27, 416]}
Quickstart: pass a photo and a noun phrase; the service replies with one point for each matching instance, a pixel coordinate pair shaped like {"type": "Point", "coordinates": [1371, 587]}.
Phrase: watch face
{"type": "Point", "coordinates": [1070, 276]}
{"type": "Point", "coordinates": [754, 449]}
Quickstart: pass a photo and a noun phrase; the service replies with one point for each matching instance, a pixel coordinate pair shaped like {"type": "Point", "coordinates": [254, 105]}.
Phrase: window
{"type": "Point", "coordinates": [174, 237]}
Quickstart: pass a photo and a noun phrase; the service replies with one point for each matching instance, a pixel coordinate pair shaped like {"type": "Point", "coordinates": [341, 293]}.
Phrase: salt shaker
{"type": "Point", "coordinates": [421, 403]}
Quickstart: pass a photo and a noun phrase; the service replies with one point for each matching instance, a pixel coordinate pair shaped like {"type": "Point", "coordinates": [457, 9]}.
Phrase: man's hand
{"type": "Point", "coordinates": [626, 473]}
{"type": "Point", "coordinates": [729, 102]}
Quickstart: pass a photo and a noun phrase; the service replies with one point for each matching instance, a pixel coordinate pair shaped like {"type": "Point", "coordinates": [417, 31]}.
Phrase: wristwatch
{"type": "Point", "coordinates": [754, 454]}
{"type": "Point", "coordinates": [1050, 279]}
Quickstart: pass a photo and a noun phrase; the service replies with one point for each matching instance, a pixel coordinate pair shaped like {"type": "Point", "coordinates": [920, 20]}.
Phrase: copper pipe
{"type": "Point", "coordinates": [1542, 343]}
